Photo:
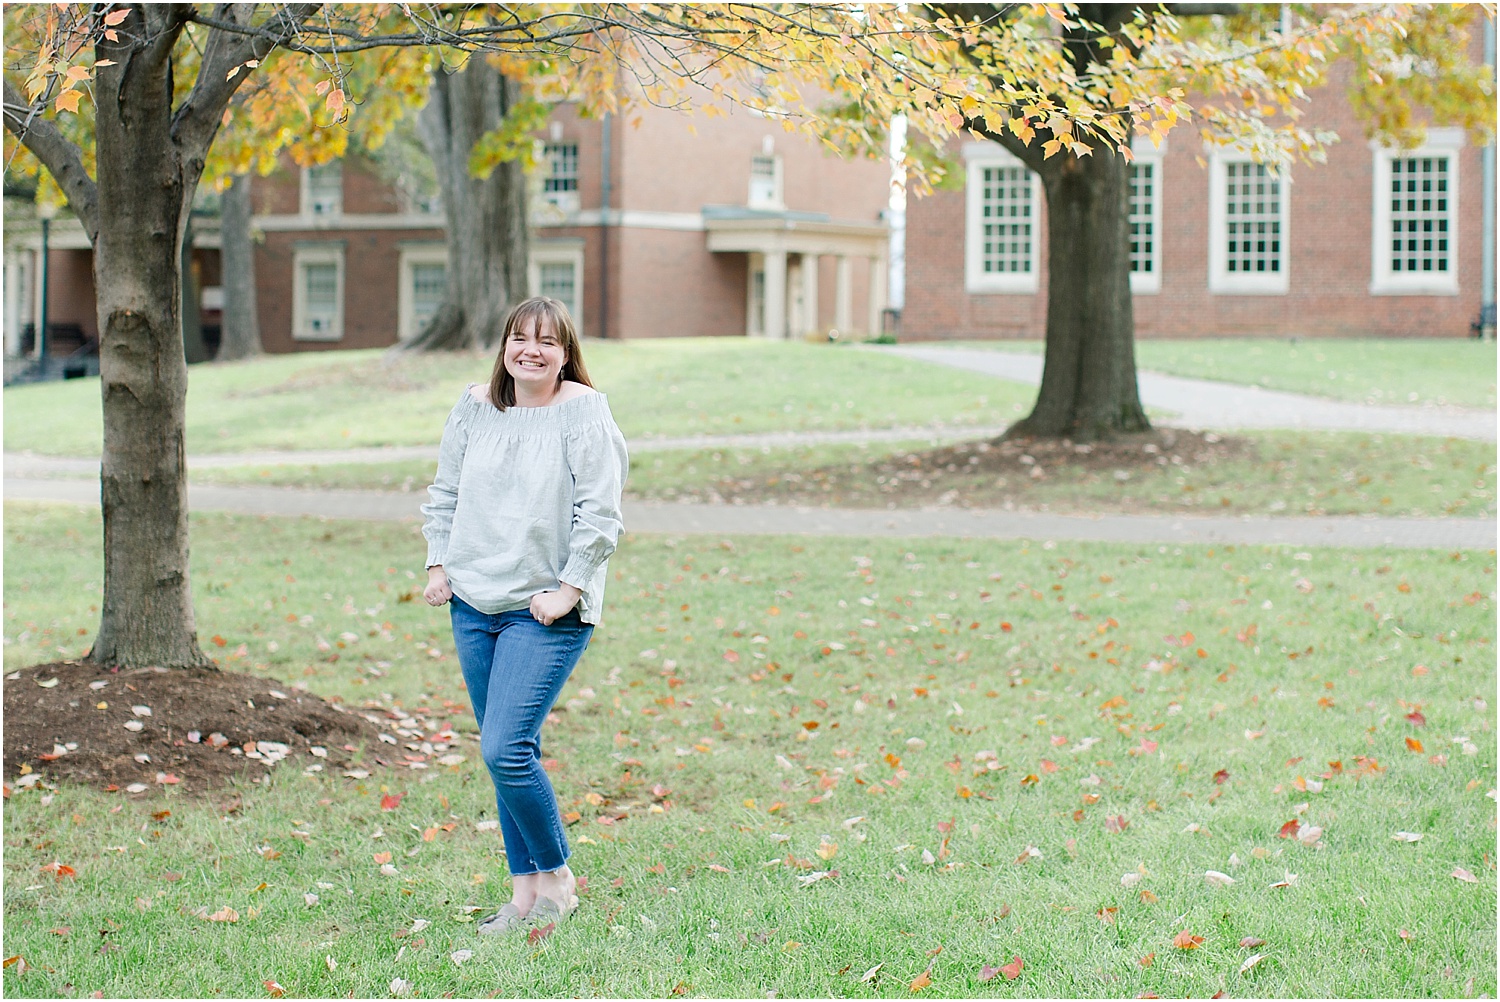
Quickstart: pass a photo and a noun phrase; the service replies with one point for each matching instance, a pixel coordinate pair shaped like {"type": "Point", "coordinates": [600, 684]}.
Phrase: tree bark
{"type": "Point", "coordinates": [241, 323]}
{"type": "Point", "coordinates": [1088, 386]}
{"type": "Point", "coordinates": [144, 193]}
{"type": "Point", "coordinates": [487, 234]}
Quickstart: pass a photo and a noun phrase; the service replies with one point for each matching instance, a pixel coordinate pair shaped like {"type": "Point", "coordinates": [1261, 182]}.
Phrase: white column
{"type": "Point", "coordinates": [809, 319]}
{"type": "Point", "coordinates": [877, 293]}
{"type": "Point", "coordinates": [843, 294]}
{"type": "Point", "coordinates": [776, 295]}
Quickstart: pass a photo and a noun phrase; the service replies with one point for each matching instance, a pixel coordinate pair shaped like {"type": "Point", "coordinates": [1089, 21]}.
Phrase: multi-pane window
{"type": "Point", "coordinates": [1006, 218]}
{"type": "Point", "coordinates": [558, 280]}
{"type": "Point", "coordinates": [323, 191]}
{"type": "Point", "coordinates": [765, 182]}
{"type": "Point", "coordinates": [1420, 218]}
{"type": "Point", "coordinates": [429, 283]}
{"type": "Point", "coordinates": [562, 167]}
{"type": "Point", "coordinates": [318, 293]}
{"type": "Point", "coordinates": [1252, 216]}
{"type": "Point", "coordinates": [1143, 197]}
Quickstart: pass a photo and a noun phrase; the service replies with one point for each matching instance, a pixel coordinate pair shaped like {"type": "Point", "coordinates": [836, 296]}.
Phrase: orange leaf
{"type": "Point", "coordinates": [382, 857]}
{"type": "Point", "coordinates": [1147, 960]}
{"type": "Point", "coordinates": [218, 640]}
{"type": "Point", "coordinates": [391, 801]}
{"type": "Point", "coordinates": [1030, 779]}
{"type": "Point", "coordinates": [68, 101]}
{"type": "Point", "coordinates": [1185, 940]}
{"type": "Point", "coordinates": [1116, 823]}
{"type": "Point", "coordinates": [429, 834]}
{"type": "Point", "coordinates": [921, 981]}
{"type": "Point", "coordinates": [1289, 829]}
{"type": "Point", "coordinates": [1048, 766]}
{"type": "Point", "coordinates": [275, 989]}
{"type": "Point", "coordinates": [113, 18]}
{"type": "Point", "coordinates": [537, 934]}
{"type": "Point", "coordinates": [1012, 970]}
{"type": "Point", "coordinates": [1415, 716]}
{"type": "Point", "coordinates": [1413, 744]}
{"type": "Point", "coordinates": [810, 725]}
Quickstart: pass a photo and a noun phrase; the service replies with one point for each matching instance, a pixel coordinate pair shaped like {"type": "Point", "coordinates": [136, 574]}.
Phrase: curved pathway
{"type": "Point", "coordinates": [1207, 404]}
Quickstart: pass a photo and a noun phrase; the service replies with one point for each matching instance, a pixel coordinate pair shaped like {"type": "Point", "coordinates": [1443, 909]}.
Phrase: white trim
{"type": "Point", "coordinates": [1383, 281]}
{"type": "Point", "coordinates": [1143, 283]}
{"type": "Point", "coordinates": [284, 223]}
{"type": "Point", "coordinates": [776, 199]}
{"type": "Point", "coordinates": [568, 253]}
{"type": "Point", "coordinates": [976, 280]}
{"type": "Point", "coordinates": [328, 253]}
{"type": "Point", "coordinates": [1220, 279]}
{"type": "Point", "coordinates": [412, 255]}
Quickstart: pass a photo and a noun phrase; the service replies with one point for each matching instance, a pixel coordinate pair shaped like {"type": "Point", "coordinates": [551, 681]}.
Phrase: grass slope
{"type": "Point", "coordinates": [914, 714]}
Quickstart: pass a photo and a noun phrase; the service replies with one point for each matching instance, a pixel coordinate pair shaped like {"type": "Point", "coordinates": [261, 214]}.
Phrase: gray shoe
{"type": "Point", "coordinates": [547, 911]}
{"type": "Point", "coordinates": [506, 919]}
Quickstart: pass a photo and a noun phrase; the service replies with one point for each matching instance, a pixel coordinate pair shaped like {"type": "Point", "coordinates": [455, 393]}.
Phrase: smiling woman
{"type": "Point", "coordinates": [525, 513]}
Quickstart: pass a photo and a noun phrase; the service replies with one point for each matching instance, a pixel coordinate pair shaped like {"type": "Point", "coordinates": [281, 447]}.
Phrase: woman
{"type": "Point", "coordinates": [524, 515]}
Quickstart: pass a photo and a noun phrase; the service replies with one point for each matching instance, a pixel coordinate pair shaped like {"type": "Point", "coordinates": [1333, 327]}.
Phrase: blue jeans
{"type": "Point", "coordinates": [514, 668]}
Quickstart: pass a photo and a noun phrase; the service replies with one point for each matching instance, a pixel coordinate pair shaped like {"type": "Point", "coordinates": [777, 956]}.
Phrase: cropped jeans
{"type": "Point", "coordinates": [514, 668]}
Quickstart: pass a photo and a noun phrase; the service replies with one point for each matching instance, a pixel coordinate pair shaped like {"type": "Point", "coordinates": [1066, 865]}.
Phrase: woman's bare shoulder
{"type": "Point", "coordinates": [570, 390]}
{"type": "Point", "coordinates": [480, 392]}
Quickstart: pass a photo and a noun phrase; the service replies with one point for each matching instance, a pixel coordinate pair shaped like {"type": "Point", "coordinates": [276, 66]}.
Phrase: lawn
{"type": "Point", "coordinates": [1364, 370]}
{"type": "Point", "coordinates": [668, 387]}
{"type": "Point", "coordinates": [1003, 749]}
{"type": "Point", "coordinates": [1293, 473]}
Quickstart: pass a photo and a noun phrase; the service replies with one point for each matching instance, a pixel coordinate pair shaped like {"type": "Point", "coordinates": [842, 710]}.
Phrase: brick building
{"type": "Point", "coordinates": [671, 226]}
{"type": "Point", "coordinates": [1373, 243]}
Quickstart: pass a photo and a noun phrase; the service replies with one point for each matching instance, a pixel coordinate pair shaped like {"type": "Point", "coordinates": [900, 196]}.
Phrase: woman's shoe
{"type": "Point", "coordinates": [507, 918]}
{"type": "Point", "coordinates": [547, 911]}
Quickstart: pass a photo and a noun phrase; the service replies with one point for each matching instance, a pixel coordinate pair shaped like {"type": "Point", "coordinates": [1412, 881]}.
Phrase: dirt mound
{"type": "Point", "coordinates": [196, 729]}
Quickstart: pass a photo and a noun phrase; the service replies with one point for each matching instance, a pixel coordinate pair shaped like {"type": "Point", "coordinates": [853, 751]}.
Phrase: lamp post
{"type": "Point", "coordinates": [46, 211]}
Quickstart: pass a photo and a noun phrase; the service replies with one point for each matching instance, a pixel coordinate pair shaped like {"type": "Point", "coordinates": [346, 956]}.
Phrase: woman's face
{"type": "Point", "coordinates": [534, 355]}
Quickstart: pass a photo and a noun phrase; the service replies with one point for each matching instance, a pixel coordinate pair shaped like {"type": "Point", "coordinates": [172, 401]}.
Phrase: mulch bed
{"type": "Point", "coordinates": [195, 729]}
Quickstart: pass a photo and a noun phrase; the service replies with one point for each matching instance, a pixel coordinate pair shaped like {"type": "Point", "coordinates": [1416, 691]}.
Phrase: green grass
{"type": "Point", "coordinates": [1294, 473]}
{"type": "Point", "coordinates": [1364, 370]}
{"type": "Point", "coordinates": [669, 387]}
{"type": "Point", "coordinates": [715, 658]}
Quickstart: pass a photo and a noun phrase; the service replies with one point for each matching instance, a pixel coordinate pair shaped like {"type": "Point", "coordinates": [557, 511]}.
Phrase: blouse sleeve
{"type": "Point", "coordinates": [599, 462]}
{"type": "Point", "coordinates": [444, 490]}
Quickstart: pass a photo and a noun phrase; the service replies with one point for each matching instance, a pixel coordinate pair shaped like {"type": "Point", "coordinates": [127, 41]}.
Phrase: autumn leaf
{"type": "Point", "coordinates": [1413, 744]}
{"type": "Point", "coordinates": [921, 980]}
{"type": "Point", "coordinates": [1012, 970]}
{"type": "Point", "coordinates": [382, 857]}
{"type": "Point", "coordinates": [68, 101]}
{"type": "Point", "coordinates": [61, 870]}
{"type": "Point", "coordinates": [113, 18]}
{"type": "Point", "coordinates": [274, 988]}
{"type": "Point", "coordinates": [1289, 829]}
{"type": "Point", "coordinates": [391, 801]}
{"type": "Point", "coordinates": [1251, 942]}
{"type": "Point", "coordinates": [987, 973]}
{"type": "Point", "coordinates": [1221, 776]}
{"type": "Point", "coordinates": [1116, 823]}
{"type": "Point", "coordinates": [1461, 874]}
{"type": "Point", "coordinates": [1185, 940]}
{"type": "Point", "coordinates": [539, 933]}
{"type": "Point", "coordinates": [1147, 960]}
{"type": "Point", "coordinates": [1415, 716]}
{"type": "Point", "coordinates": [1250, 962]}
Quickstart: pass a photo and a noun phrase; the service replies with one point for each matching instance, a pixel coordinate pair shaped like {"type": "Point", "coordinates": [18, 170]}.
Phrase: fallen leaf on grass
{"type": "Point", "coordinates": [1464, 875]}
{"type": "Point", "coordinates": [225, 914]}
{"type": "Point", "coordinates": [1116, 823]}
{"type": "Point", "coordinates": [1289, 829]}
{"type": "Point", "coordinates": [1032, 852]}
{"type": "Point", "coordinates": [1286, 881]}
{"type": "Point", "coordinates": [868, 975]}
{"type": "Point", "coordinates": [1107, 914]}
{"type": "Point", "coordinates": [274, 988]}
{"type": "Point", "coordinates": [921, 981]}
{"type": "Point", "coordinates": [1407, 837]}
{"type": "Point", "coordinates": [60, 869]}
{"type": "Point", "coordinates": [1012, 970]}
{"type": "Point", "coordinates": [1185, 940]}
{"type": "Point", "coordinates": [1406, 935]}
{"type": "Point", "coordinates": [391, 801]}
{"type": "Point", "coordinates": [1251, 942]}
{"type": "Point", "coordinates": [460, 956]}
{"type": "Point", "coordinates": [1147, 960]}
{"type": "Point", "coordinates": [1218, 879]}
{"type": "Point", "coordinates": [539, 933]}
{"type": "Point", "coordinates": [1250, 962]}
{"type": "Point", "coordinates": [1417, 719]}
{"type": "Point", "coordinates": [1412, 744]}
{"type": "Point", "coordinates": [987, 973]}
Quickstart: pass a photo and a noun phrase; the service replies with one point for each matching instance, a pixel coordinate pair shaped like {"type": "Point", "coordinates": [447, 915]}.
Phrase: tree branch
{"type": "Point", "coordinates": [197, 119]}
{"type": "Point", "coordinates": [59, 154]}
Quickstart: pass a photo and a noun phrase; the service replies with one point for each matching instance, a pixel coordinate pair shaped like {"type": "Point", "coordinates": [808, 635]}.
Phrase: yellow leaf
{"type": "Point", "coordinates": [68, 101]}
{"type": "Point", "coordinates": [75, 74]}
{"type": "Point", "coordinates": [113, 18]}
{"type": "Point", "coordinates": [1050, 147]}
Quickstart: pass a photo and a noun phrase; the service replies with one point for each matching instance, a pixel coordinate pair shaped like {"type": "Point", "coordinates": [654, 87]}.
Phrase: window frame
{"type": "Point", "coordinates": [1221, 280]}
{"type": "Point", "coordinates": [1144, 283]}
{"type": "Point", "coordinates": [322, 252]}
{"type": "Point", "coordinates": [561, 253]}
{"type": "Point", "coordinates": [1447, 142]}
{"type": "Point", "coordinates": [777, 200]}
{"type": "Point", "coordinates": [305, 193]}
{"type": "Point", "coordinates": [565, 199]}
{"type": "Point", "coordinates": [978, 156]}
{"type": "Point", "coordinates": [413, 254]}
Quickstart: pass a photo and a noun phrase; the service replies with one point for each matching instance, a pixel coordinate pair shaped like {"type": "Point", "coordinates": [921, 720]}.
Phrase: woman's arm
{"type": "Point", "coordinates": [599, 463]}
{"type": "Point", "coordinates": [444, 490]}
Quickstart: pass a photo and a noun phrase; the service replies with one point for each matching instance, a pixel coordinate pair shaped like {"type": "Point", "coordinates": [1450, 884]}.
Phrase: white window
{"type": "Point", "coordinates": [424, 283]}
{"type": "Point", "coordinates": [318, 292]}
{"type": "Point", "coordinates": [1247, 227]}
{"type": "Point", "coordinates": [323, 190]}
{"type": "Point", "coordinates": [765, 182]}
{"type": "Point", "coordinates": [1415, 249]}
{"type": "Point", "coordinates": [1001, 238]}
{"type": "Point", "coordinates": [1145, 224]}
{"type": "Point", "coordinates": [560, 185]}
{"type": "Point", "coordinates": [556, 270]}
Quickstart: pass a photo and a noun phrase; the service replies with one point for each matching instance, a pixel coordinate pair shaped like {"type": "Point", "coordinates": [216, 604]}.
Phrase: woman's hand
{"type": "Point", "coordinates": [438, 590]}
{"type": "Point", "coordinates": [549, 606]}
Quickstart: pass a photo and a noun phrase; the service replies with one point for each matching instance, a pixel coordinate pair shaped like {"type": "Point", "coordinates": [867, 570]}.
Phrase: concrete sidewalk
{"type": "Point", "coordinates": [1205, 404]}
{"type": "Point", "coordinates": [680, 519]}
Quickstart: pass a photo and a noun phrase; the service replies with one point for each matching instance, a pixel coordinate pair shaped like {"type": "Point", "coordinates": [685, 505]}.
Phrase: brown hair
{"type": "Point", "coordinates": [542, 309]}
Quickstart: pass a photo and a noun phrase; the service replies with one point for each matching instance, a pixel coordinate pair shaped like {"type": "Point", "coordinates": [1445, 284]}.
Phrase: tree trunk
{"type": "Point", "coordinates": [144, 194]}
{"type": "Point", "coordinates": [241, 323]}
{"type": "Point", "coordinates": [487, 228]}
{"type": "Point", "coordinates": [1088, 377]}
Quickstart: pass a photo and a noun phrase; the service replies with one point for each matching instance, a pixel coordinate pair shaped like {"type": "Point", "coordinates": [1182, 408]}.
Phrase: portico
{"type": "Point", "coordinates": [785, 250]}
